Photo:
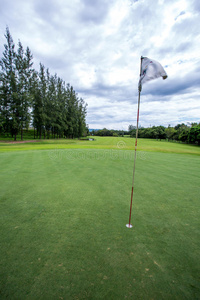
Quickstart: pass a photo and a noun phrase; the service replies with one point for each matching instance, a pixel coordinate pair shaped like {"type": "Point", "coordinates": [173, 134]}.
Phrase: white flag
{"type": "Point", "coordinates": [150, 69]}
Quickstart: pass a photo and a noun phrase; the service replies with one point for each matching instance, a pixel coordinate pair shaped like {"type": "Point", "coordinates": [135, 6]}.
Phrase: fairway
{"type": "Point", "coordinates": [107, 143]}
{"type": "Point", "coordinates": [63, 214]}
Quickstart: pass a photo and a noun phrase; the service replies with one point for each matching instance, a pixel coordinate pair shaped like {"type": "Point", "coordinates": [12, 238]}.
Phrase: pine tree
{"type": "Point", "coordinates": [8, 86]}
{"type": "Point", "coordinates": [72, 113]}
{"type": "Point", "coordinates": [81, 117]}
{"type": "Point", "coordinates": [23, 64]}
{"type": "Point", "coordinates": [39, 98]}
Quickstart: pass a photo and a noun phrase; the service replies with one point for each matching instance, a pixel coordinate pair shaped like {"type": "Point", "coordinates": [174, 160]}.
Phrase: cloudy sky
{"type": "Point", "coordinates": [96, 45]}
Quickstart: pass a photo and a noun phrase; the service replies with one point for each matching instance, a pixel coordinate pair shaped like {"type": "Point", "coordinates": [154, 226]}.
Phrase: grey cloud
{"type": "Point", "coordinates": [196, 5]}
{"type": "Point", "coordinates": [186, 28]}
{"type": "Point", "coordinates": [114, 93]}
{"type": "Point", "coordinates": [182, 47]}
{"type": "Point", "coordinates": [181, 14]}
{"type": "Point", "coordinates": [46, 9]}
{"type": "Point", "coordinates": [93, 11]}
{"type": "Point", "coordinates": [178, 47]}
{"type": "Point", "coordinates": [179, 85]}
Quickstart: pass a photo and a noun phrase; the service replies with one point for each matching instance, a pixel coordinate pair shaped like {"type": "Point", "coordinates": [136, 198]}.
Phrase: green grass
{"type": "Point", "coordinates": [114, 143]}
{"type": "Point", "coordinates": [63, 214]}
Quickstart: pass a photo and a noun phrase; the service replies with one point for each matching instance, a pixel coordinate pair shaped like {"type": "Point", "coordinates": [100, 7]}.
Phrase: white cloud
{"type": "Point", "coordinates": [96, 47]}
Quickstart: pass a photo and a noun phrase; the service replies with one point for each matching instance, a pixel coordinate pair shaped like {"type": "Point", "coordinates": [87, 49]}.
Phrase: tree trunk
{"type": "Point", "coordinates": [22, 134]}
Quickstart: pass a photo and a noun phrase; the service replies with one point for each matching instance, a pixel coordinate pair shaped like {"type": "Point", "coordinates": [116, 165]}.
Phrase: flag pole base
{"type": "Point", "coordinates": [129, 225]}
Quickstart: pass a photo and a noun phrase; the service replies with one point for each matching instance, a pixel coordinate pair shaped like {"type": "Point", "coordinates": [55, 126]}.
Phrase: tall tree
{"type": "Point", "coordinates": [82, 108]}
{"type": "Point", "coordinates": [8, 85]}
{"type": "Point", "coordinates": [61, 107]}
{"type": "Point", "coordinates": [194, 134]}
{"type": "Point", "coordinates": [23, 64]}
{"type": "Point", "coordinates": [39, 98]}
{"type": "Point", "coordinates": [170, 132]}
{"type": "Point", "coordinates": [71, 102]}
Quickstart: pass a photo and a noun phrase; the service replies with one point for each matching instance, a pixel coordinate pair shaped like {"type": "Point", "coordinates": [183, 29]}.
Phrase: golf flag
{"type": "Point", "coordinates": [150, 69]}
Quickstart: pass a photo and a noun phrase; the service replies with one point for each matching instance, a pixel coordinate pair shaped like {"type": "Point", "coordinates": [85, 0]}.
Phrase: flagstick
{"type": "Point", "coordinates": [138, 113]}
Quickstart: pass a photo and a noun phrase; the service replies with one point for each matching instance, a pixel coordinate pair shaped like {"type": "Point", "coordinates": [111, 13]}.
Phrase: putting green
{"type": "Point", "coordinates": [63, 216]}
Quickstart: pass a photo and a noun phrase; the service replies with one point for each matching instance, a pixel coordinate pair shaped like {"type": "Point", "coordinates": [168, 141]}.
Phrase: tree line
{"type": "Point", "coordinates": [181, 132]}
{"type": "Point", "coordinates": [30, 98]}
{"type": "Point", "coordinates": [107, 132]}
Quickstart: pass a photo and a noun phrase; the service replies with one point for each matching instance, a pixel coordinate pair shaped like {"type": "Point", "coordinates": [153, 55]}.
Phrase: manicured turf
{"type": "Point", "coordinates": [115, 143]}
{"type": "Point", "coordinates": [62, 224]}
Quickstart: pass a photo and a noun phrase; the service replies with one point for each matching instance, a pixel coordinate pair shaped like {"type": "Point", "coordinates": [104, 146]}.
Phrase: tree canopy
{"type": "Point", "coordinates": [181, 132]}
